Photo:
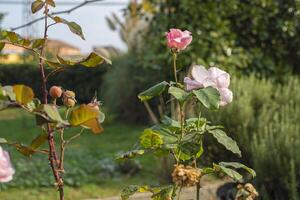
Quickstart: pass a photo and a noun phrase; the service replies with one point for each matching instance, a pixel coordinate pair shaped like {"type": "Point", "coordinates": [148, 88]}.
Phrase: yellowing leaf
{"type": "Point", "coordinates": [93, 124]}
{"type": "Point", "coordinates": [36, 6]}
{"type": "Point", "coordinates": [82, 114]}
{"type": "Point", "coordinates": [24, 94]}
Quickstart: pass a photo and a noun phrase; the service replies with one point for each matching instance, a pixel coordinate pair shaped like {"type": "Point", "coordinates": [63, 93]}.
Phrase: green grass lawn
{"type": "Point", "coordinates": [91, 169]}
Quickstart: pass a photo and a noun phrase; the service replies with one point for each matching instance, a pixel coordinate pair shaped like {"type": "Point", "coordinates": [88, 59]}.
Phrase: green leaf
{"type": "Point", "coordinates": [209, 97]}
{"type": "Point", "coordinates": [36, 6]}
{"type": "Point", "coordinates": [170, 123]}
{"type": "Point", "coordinates": [82, 114]}
{"type": "Point", "coordinates": [178, 93]}
{"type": "Point", "coordinates": [153, 91]}
{"type": "Point", "coordinates": [226, 141]}
{"type": "Point", "coordinates": [2, 45]}
{"type": "Point", "coordinates": [52, 112]}
{"type": "Point", "coordinates": [3, 141]}
{"type": "Point", "coordinates": [130, 154]}
{"type": "Point", "coordinates": [91, 60]}
{"type": "Point", "coordinates": [229, 172]}
{"type": "Point", "coordinates": [39, 141]}
{"type": "Point", "coordinates": [12, 36]}
{"type": "Point", "coordinates": [24, 42]}
{"type": "Point", "coordinates": [151, 139]}
{"type": "Point", "coordinates": [24, 94]}
{"type": "Point", "coordinates": [50, 2]}
{"type": "Point", "coordinates": [52, 64]}
{"type": "Point", "coordinates": [131, 189]}
{"type": "Point", "coordinates": [207, 170]}
{"type": "Point", "coordinates": [237, 166]}
{"type": "Point", "coordinates": [191, 148]}
{"type": "Point", "coordinates": [164, 193]}
{"type": "Point", "coordinates": [76, 29]}
{"type": "Point", "coordinates": [38, 43]}
{"type": "Point", "coordinates": [9, 92]}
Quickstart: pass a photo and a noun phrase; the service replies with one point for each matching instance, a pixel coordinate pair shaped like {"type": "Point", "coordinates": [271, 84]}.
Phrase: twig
{"type": "Point", "coordinates": [56, 13]}
{"type": "Point", "coordinates": [151, 113]}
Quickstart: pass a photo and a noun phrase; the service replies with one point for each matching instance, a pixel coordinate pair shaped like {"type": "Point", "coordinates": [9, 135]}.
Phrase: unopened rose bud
{"type": "Point", "coordinates": [69, 102]}
{"type": "Point", "coordinates": [55, 92]}
{"type": "Point", "coordinates": [69, 94]}
{"type": "Point", "coordinates": [69, 98]}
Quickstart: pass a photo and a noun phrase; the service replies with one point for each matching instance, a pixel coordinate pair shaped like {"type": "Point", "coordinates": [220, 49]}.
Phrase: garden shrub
{"type": "Point", "coordinates": [259, 35]}
{"type": "Point", "coordinates": [264, 118]}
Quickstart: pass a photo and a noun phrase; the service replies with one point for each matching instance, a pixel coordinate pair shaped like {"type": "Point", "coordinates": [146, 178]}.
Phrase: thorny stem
{"type": "Point", "coordinates": [52, 152]}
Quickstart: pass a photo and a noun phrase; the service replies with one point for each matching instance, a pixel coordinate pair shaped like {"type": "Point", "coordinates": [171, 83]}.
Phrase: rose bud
{"type": "Point", "coordinates": [69, 98]}
{"type": "Point", "coordinates": [178, 40]}
{"type": "Point", "coordinates": [69, 102]}
{"type": "Point", "coordinates": [69, 94]}
{"type": "Point", "coordinates": [55, 92]}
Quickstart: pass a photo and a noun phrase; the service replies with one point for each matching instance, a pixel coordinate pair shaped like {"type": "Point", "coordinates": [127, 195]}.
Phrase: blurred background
{"type": "Point", "coordinates": [256, 41]}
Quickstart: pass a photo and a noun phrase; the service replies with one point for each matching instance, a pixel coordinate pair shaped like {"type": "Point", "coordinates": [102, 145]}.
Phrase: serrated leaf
{"type": "Point", "coordinates": [209, 97]}
{"type": "Point", "coordinates": [229, 172]}
{"type": "Point", "coordinates": [36, 6]}
{"type": "Point", "coordinates": [82, 114]}
{"type": "Point", "coordinates": [38, 43]}
{"type": "Point", "coordinates": [151, 139]}
{"type": "Point", "coordinates": [238, 165]}
{"type": "Point", "coordinates": [153, 91]}
{"type": "Point", "coordinates": [226, 141]}
{"type": "Point", "coordinates": [178, 93]}
{"type": "Point", "coordinates": [92, 60]}
{"type": "Point", "coordinates": [39, 141]}
{"type": "Point", "coordinates": [52, 112]}
{"type": "Point", "coordinates": [24, 94]}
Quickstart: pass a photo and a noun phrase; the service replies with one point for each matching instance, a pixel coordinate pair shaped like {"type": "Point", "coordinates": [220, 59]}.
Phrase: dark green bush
{"type": "Point", "coordinates": [264, 118]}
{"type": "Point", "coordinates": [84, 81]}
{"type": "Point", "coordinates": [260, 35]}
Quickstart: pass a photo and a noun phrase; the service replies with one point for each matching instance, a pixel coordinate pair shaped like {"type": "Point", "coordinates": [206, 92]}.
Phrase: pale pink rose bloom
{"type": "Point", "coordinates": [214, 77]}
{"type": "Point", "coordinates": [6, 169]}
{"type": "Point", "coordinates": [178, 40]}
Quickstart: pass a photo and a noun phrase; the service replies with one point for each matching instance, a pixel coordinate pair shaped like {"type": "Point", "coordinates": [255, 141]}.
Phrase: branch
{"type": "Point", "coordinates": [56, 13]}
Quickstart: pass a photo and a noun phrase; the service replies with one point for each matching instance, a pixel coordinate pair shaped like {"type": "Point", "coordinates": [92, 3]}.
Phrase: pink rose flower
{"type": "Point", "coordinates": [6, 169]}
{"type": "Point", "coordinates": [178, 40]}
{"type": "Point", "coordinates": [214, 77]}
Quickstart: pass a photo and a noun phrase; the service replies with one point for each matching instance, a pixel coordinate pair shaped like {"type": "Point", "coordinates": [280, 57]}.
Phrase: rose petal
{"type": "Point", "coordinates": [215, 72]}
{"type": "Point", "coordinates": [199, 73]}
{"type": "Point", "coordinates": [223, 80]}
{"type": "Point", "coordinates": [192, 84]}
{"type": "Point", "coordinates": [226, 96]}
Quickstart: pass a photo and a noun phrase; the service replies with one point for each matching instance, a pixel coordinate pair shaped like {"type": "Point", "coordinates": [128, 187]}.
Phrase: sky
{"type": "Point", "coordinates": [90, 17]}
